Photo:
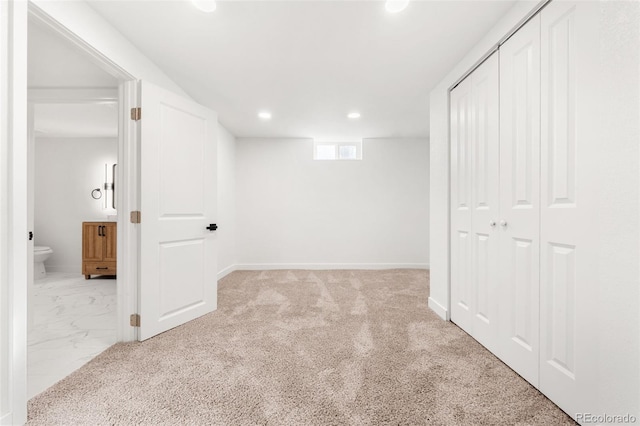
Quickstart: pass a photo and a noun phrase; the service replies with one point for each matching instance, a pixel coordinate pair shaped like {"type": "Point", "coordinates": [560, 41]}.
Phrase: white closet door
{"type": "Point", "coordinates": [568, 273]}
{"type": "Point", "coordinates": [461, 129]}
{"type": "Point", "coordinates": [475, 203]}
{"type": "Point", "coordinates": [520, 200]}
{"type": "Point", "coordinates": [485, 189]}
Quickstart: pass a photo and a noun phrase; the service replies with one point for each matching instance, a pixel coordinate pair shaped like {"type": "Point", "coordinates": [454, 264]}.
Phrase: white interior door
{"type": "Point", "coordinates": [520, 200]}
{"type": "Point", "coordinates": [475, 203]}
{"type": "Point", "coordinates": [178, 280]}
{"type": "Point", "coordinates": [569, 211]}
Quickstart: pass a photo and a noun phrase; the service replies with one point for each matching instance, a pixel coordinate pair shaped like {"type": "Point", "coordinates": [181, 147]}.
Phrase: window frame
{"type": "Point", "coordinates": [336, 146]}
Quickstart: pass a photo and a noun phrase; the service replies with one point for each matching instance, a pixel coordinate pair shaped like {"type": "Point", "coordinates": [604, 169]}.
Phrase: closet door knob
{"type": "Point", "coordinates": [492, 223]}
{"type": "Point", "coordinates": [503, 223]}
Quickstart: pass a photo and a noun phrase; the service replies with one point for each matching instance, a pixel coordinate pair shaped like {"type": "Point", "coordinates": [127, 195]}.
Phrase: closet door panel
{"type": "Point", "coordinates": [520, 200]}
{"type": "Point", "coordinates": [485, 154]}
{"type": "Point", "coordinates": [568, 271]}
{"type": "Point", "coordinates": [461, 233]}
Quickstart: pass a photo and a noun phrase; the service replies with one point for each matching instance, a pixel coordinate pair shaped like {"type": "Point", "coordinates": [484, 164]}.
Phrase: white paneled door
{"type": "Point", "coordinates": [569, 211]}
{"type": "Point", "coordinates": [461, 297]}
{"type": "Point", "coordinates": [520, 200]}
{"type": "Point", "coordinates": [524, 239]}
{"type": "Point", "coordinates": [178, 280]}
{"type": "Point", "coordinates": [485, 154]}
{"type": "Point", "coordinates": [475, 203]}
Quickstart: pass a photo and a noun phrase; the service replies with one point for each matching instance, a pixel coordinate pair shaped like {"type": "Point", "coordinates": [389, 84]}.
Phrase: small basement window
{"type": "Point", "coordinates": [337, 150]}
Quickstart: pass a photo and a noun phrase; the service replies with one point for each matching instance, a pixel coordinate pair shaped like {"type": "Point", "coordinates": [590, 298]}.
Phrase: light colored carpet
{"type": "Point", "coordinates": [302, 348]}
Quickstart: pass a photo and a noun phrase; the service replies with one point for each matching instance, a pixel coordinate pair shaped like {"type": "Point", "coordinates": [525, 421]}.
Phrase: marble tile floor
{"type": "Point", "coordinates": [73, 321]}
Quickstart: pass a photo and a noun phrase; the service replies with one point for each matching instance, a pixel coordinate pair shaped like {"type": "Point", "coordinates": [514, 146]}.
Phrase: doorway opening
{"type": "Point", "coordinates": [74, 145]}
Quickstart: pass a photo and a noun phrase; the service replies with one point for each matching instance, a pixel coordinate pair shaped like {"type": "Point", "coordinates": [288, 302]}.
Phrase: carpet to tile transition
{"type": "Point", "coordinates": [302, 348]}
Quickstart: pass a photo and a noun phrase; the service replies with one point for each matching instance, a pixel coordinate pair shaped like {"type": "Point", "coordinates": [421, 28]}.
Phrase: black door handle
{"type": "Point", "coordinates": [212, 227]}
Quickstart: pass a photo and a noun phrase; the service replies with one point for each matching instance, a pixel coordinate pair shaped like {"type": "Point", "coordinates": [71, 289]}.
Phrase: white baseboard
{"type": "Point", "coordinates": [327, 266]}
{"type": "Point", "coordinates": [226, 271]}
{"type": "Point", "coordinates": [440, 310]}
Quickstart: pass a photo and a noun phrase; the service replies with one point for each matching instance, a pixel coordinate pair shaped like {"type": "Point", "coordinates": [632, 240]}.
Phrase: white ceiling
{"type": "Point", "coordinates": [308, 62]}
{"type": "Point", "coordinates": [54, 63]}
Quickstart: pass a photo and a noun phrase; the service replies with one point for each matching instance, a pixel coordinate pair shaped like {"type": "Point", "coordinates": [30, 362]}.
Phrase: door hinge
{"type": "Point", "coordinates": [135, 216]}
{"type": "Point", "coordinates": [134, 320]}
{"type": "Point", "coordinates": [136, 113]}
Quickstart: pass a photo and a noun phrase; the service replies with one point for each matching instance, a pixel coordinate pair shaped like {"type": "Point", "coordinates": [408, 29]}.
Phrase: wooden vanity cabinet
{"type": "Point", "coordinates": [99, 244]}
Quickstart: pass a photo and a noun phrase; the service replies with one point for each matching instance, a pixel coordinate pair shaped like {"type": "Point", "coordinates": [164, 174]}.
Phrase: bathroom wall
{"type": "Point", "coordinates": [66, 171]}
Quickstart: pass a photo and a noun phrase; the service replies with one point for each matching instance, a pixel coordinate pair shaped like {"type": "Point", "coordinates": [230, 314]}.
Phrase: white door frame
{"type": "Point", "coordinates": [14, 16]}
{"type": "Point", "coordinates": [13, 212]}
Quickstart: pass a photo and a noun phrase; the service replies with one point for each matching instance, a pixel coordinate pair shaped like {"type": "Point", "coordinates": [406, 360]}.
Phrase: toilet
{"type": "Point", "coordinates": [40, 254]}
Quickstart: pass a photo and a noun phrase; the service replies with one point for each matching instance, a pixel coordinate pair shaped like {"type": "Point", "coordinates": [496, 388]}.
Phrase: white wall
{"type": "Point", "coordinates": [226, 219]}
{"type": "Point", "coordinates": [618, 316]}
{"type": "Point", "coordinates": [293, 211]}
{"type": "Point", "coordinates": [617, 319]}
{"type": "Point", "coordinates": [66, 170]}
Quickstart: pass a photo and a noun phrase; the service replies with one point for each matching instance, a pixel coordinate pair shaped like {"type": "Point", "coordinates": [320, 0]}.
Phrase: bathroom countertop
{"type": "Point", "coordinates": [107, 219]}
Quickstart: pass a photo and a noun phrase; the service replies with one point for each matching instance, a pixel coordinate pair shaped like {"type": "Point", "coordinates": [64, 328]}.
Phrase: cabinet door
{"type": "Point", "coordinates": [569, 244]}
{"type": "Point", "coordinates": [520, 200]}
{"type": "Point", "coordinates": [110, 241]}
{"type": "Point", "coordinates": [92, 242]}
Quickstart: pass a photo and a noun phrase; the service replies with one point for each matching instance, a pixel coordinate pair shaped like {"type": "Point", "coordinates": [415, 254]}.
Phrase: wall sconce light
{"type": "Point", "coordinates": [108, 186]}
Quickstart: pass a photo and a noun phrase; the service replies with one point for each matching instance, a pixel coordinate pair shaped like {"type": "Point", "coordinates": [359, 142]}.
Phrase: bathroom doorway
{"type": "Point", "coordinates": [73, 156]}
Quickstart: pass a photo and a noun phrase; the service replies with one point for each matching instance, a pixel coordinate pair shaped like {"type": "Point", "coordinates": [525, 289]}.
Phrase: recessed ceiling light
{"type": "Point", "coordinates": [395, 6]}
{"type": "Point", "coordinates": [264, 115]}
{"type": "Point", "coordinates": [353, 115]}
{"type": "Point", "coordinates": [205, 5]}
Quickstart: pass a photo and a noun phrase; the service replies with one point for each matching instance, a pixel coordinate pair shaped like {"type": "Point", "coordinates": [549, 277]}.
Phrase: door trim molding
{"type": "Point", "coordinates": [128, 200]}
{"type": "Point", "coordinates": [14, 246]}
